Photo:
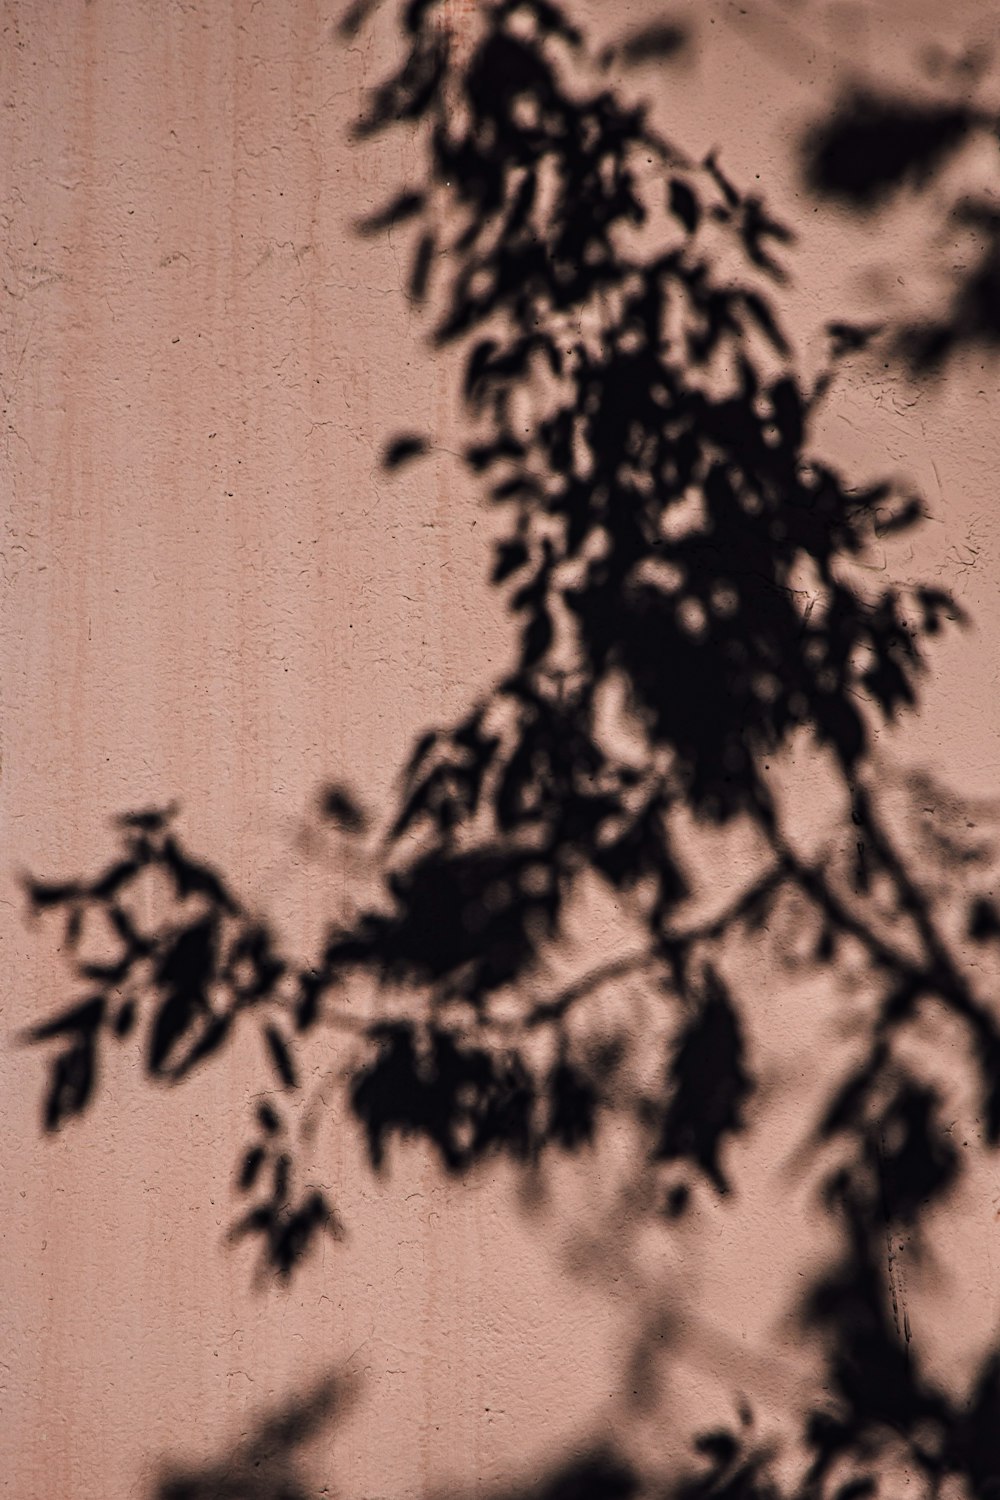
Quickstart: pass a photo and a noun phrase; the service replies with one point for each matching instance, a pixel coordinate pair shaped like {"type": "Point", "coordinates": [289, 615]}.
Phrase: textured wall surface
{"type": "Point", "coordinates": [212, 593]}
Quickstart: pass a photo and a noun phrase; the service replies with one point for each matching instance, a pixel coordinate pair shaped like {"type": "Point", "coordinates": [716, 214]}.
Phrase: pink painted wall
{"type": "Point", "coordinates": [211, 591]}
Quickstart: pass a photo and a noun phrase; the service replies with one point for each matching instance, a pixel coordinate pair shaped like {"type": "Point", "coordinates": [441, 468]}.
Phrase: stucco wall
{"type": "Point", "coordinates": [211, 592]}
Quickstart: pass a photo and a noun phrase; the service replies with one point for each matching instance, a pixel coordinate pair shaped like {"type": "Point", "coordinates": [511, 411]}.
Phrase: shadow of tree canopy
{"type": "Point", "coordinates": [682, 575]}
{"type": "Point", "coordinates": [877, 145]}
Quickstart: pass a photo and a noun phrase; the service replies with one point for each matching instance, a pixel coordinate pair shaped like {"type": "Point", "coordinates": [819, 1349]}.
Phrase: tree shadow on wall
{"type": "Point", "coordinates": [273, 1461]}
{"type": "Point", "coordinates": [271, 1464]}
{"type": "Point", "coordinates": [685, 578]}
{"type": "Point", "coordinates": [876, 148]}
{"type": "Point", "coordinates": [266, 1464]}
